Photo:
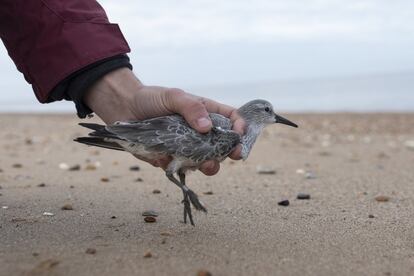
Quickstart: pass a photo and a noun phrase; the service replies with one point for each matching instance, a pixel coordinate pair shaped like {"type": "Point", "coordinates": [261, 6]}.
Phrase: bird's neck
{"type": "Point", "coordinates": [249, 138]}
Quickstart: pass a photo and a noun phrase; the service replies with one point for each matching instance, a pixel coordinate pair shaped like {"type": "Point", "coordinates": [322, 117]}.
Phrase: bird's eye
{"type": "Point", "coordinates": [267, 109]}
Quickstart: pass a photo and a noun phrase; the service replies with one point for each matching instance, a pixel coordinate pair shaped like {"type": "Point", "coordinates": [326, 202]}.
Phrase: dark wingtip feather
{"type": "Point", "coordinates": [92, 126]}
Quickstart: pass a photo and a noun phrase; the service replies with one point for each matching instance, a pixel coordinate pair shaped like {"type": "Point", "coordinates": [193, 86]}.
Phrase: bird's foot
{"type": "Point", "coordinates": [190, 196]}
{"type": "Point", "coordinates": [187, 209]}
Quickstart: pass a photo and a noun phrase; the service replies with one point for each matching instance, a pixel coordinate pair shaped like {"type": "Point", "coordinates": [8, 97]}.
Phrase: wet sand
{"type": "Point", "coordinates": [344, 161]}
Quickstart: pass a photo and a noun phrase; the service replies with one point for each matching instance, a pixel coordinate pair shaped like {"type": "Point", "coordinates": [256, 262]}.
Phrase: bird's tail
{"type": "Point", "coordinates": [98, 142]}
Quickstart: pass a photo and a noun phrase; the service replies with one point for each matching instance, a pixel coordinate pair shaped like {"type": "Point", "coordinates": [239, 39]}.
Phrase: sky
{"type": "Point", "coordinates": [195, 44]}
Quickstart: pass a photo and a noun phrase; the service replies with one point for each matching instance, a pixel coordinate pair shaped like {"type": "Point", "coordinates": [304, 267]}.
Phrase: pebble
{"type": "Point", "coordinates": [41, 185]}
{"type": "Point", "coordinates": [67, 207]}
{"type": "Point", "coordinates": [150, 213]}
{"type": "Point", "coordinates": [76, 167]}
{"type": "Point", "coordinates": [17, 166]}
{"type": "Point", "coordinates": [166, 234]}
{"type": "Point", "coordinates": [113, 217]}
{"type": "Point", "coordinates": [90, 251]}
{"type": "Point", "coordinates": [409, 144]}
{"type": "Point", "coordinates": [139, 179]}
{"type": "Point", "coordinates": [71, 186]}
{"type": "Point", "coordinates": [156, 191]}
{"type": "Point", "coordinates": [265, 170]}
{"type": "Point", "coordinates": [284, 202]}
{"type": "Point", "coordinates": [1, 170]}
{"type": "Point", "coordinates": [300, 171]}
{"type": "Point", "coordinates": [48, 214]}
{"type": "Point", "coordinates": [63, 166]}
{"type": "Point", "coordinates": [148, 255]}
{"type": "Point", "coordinates": [1, 188]}
{"type": "Point", "coordinates": [303, 196]}
{"type": "Point", "coordinates": [150, 219]}
{"type": "Point", "coordinates": [382, 198]}
{"type": "Point", "coordinates": [371, 216]}
{"type": "Point", "coordinates": [5, 207]}
{"type": "Point", "coordinates": [204, 273]}
{"type": "Point", "coordinates": [90, 167]}
{"type": "Point", "coordinates": [310, 175]}
{"type": "Point", "coordinates": [208, 193]}
{"type": "Point", "coordinates": [105, 179]}
{"type": "Point", "coordinates": [134, 168]}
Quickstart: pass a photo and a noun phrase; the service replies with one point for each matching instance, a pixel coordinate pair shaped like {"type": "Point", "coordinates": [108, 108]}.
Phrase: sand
{"type": "Point", "coordinates": [343, 161]}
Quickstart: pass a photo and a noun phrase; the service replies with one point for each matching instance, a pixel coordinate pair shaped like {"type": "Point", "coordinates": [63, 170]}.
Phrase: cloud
{"type": "Point", "coordinates": [179, 23]}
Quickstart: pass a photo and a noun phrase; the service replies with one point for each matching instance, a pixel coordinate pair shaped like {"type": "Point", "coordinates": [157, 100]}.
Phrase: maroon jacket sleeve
{"type": "Point", "coordinates": [50, 39]}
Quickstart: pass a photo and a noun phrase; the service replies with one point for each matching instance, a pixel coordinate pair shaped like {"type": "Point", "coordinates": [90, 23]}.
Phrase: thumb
{"type": "Point", "coordinates": [191, 108]}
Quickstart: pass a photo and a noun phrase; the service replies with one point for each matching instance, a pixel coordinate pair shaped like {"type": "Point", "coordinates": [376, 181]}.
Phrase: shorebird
{"type": "Point", "coordinates": [172, 136]}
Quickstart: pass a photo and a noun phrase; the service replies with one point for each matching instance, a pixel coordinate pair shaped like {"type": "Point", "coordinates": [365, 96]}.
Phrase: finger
{"type": "Point", "coordinates": [210, 167]}
{"type": "Point", "coordinates": [236, 153]}
{"type": "Point", "coordinates": [191, 108]}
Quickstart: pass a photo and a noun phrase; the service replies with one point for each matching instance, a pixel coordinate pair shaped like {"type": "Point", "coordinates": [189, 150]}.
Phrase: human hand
{"type": "Point", "coordinates": [120, 96]}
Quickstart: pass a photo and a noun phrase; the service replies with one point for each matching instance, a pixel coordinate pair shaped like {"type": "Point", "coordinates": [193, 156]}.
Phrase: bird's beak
{"type": "Point", "coordinates": [281, 120]}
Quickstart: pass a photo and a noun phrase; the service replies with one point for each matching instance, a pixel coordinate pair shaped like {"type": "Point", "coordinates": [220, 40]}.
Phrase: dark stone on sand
{"type": "Point", "coordinates": [75, 168]}
{"type": "Point", "coordinates": [17, 166]}
{"type": "Point", "coordinates": [382, 198]}
{"type": "Point", "coordinates": [208, 193]}
{"type": "Point", "coordinates": [284, 202]}
{"type": "Point", "coordinates": [67, 207]}
{"type": "Point", "coordinates": [41, 185]}
{"type": "Point", "coordinates": [134, 168]}
{"type": "Point", "coordinates": [303, 196]}
{"type": "Point", "coordinates": [105, 179]}
{"type": "Point", "coordinates": [139, 179]}
{"type": "Point", "coordinates": [113, 217]}
{"type": "Point", "coordinates": [156, 191]}
{"type": "Point", "coordinates": [371, 216]}
{"type": "Point", "coordinates": [90, 251]}
{"type": "Point", "coordinates": [150, 219]}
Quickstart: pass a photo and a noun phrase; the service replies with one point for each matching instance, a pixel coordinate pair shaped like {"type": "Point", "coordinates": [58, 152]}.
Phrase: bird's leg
{"type": "Point", "coordinates": [186, 201]}
{"type": "Point", "coordinates": [184, 188]}
{"type": "Point", "coordinates": [192, 196]}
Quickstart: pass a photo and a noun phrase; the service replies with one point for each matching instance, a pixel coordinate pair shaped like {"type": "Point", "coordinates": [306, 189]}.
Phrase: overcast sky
{"type": "Point", "coordinates": [195, 43]}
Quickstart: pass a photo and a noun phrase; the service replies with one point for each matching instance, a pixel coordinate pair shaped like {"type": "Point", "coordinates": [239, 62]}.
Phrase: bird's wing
{"type": "Point", "coordinates": [168, 134]}
{"type": "Point", "coordinates": [220, 121]}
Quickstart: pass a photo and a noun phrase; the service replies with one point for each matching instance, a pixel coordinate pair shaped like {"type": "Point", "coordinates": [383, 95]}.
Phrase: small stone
{"type": "Point", "coordinates": [1, 194]}
{"type": "Point", "coordinates": [150, 219]}
{"type": "Point", "coordinates": [48, 214]}
{"type": "Point", "coordinates": [166, 234]}
{"type": "Point", "coordinates": [63, 166]}
{"type": "Point", "coordinates": [310, 175]}
{"type": "Point", "coordinates": [156, 191]}
{"type": "Point", "coordinates": [208, 193]}
{"type": "Point", "coordinates": [148, 255]}
{"type": "Point", "coordinates": [139, 179]}
{"type": "Point", "coordinates": [303, 196]}
{"type": "Point", "coordinates": [371, 216]}
{"type": "Point", "coordinates": [71, 186]}
{"type": "Point", "coordinates": [5, 207]}
{"type": "Point", "coordinates": [90, 251]}
{"type": "Point", "coordinates": [90, 167]}
{"type": "Point", "coordinates": [150, 213]}
{"type": "Point", "coordinates": [18, 220]}
{"type": "Point", "coordinates": [1, 188]}
{"type": "Point", "coordinates": [164, 241]}
{"type": "Point", "coordinates": [265, 170]}
{"type": "Point", "coordinates": [134, 168]}
{"type": "Point", "coordinates": [115, 163]}
{"type": "Point", "coordinates": [41, 185]}
{"type": "Point", "coordinates": [76, 167]}
{"type": "Point", "coordinates": [113, 217]}
{"type": "Point", "coordinates": [284, 202]}
{"type": "Point", "coordinates": [382, 198]}
{"type": "Point", "coordinates": [105, 179]}
{"type": "Point", "coordinates": [67, 207]}
{"type": "Point", "coordinates": [300, 171]}
{"type": "Point", "coordinates": [204, 273]}
{"type": "Point", "coordinates": [17, 166]}
{"type": "Point", "coordinates": [35, 254]}
{"type": "Point", "coordinates": [1, 170]}
{"type": "Point", "coordinates": [409, 144]}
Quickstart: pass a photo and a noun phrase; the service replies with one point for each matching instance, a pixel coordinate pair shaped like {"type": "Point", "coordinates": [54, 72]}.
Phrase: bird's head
{"type": "Point", "coordinates": [261, 112]}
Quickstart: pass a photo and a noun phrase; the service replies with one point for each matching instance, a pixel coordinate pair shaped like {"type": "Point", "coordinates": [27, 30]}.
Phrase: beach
{"type": "Point", "coordinates": [359, 219]}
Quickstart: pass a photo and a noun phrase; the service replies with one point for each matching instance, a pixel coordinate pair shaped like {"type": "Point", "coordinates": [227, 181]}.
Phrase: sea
{"type": "Point", "coordinates": [369, 93]}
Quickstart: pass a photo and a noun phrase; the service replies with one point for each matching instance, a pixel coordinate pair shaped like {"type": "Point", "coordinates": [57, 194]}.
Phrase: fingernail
{"type": "Point", "coordinates": [203, 122]}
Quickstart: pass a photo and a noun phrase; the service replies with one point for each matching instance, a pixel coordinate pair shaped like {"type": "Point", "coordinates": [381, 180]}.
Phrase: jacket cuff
{"type": "Point", "coordinates": [74, 87]}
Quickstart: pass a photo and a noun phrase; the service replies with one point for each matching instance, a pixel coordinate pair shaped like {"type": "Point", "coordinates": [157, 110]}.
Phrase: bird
{"type": "Point", "coordinates": [172, 136]}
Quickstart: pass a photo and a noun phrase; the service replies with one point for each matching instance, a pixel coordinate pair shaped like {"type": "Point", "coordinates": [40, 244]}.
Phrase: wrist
{"type": "Point", "coordinates": [112, 96]}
